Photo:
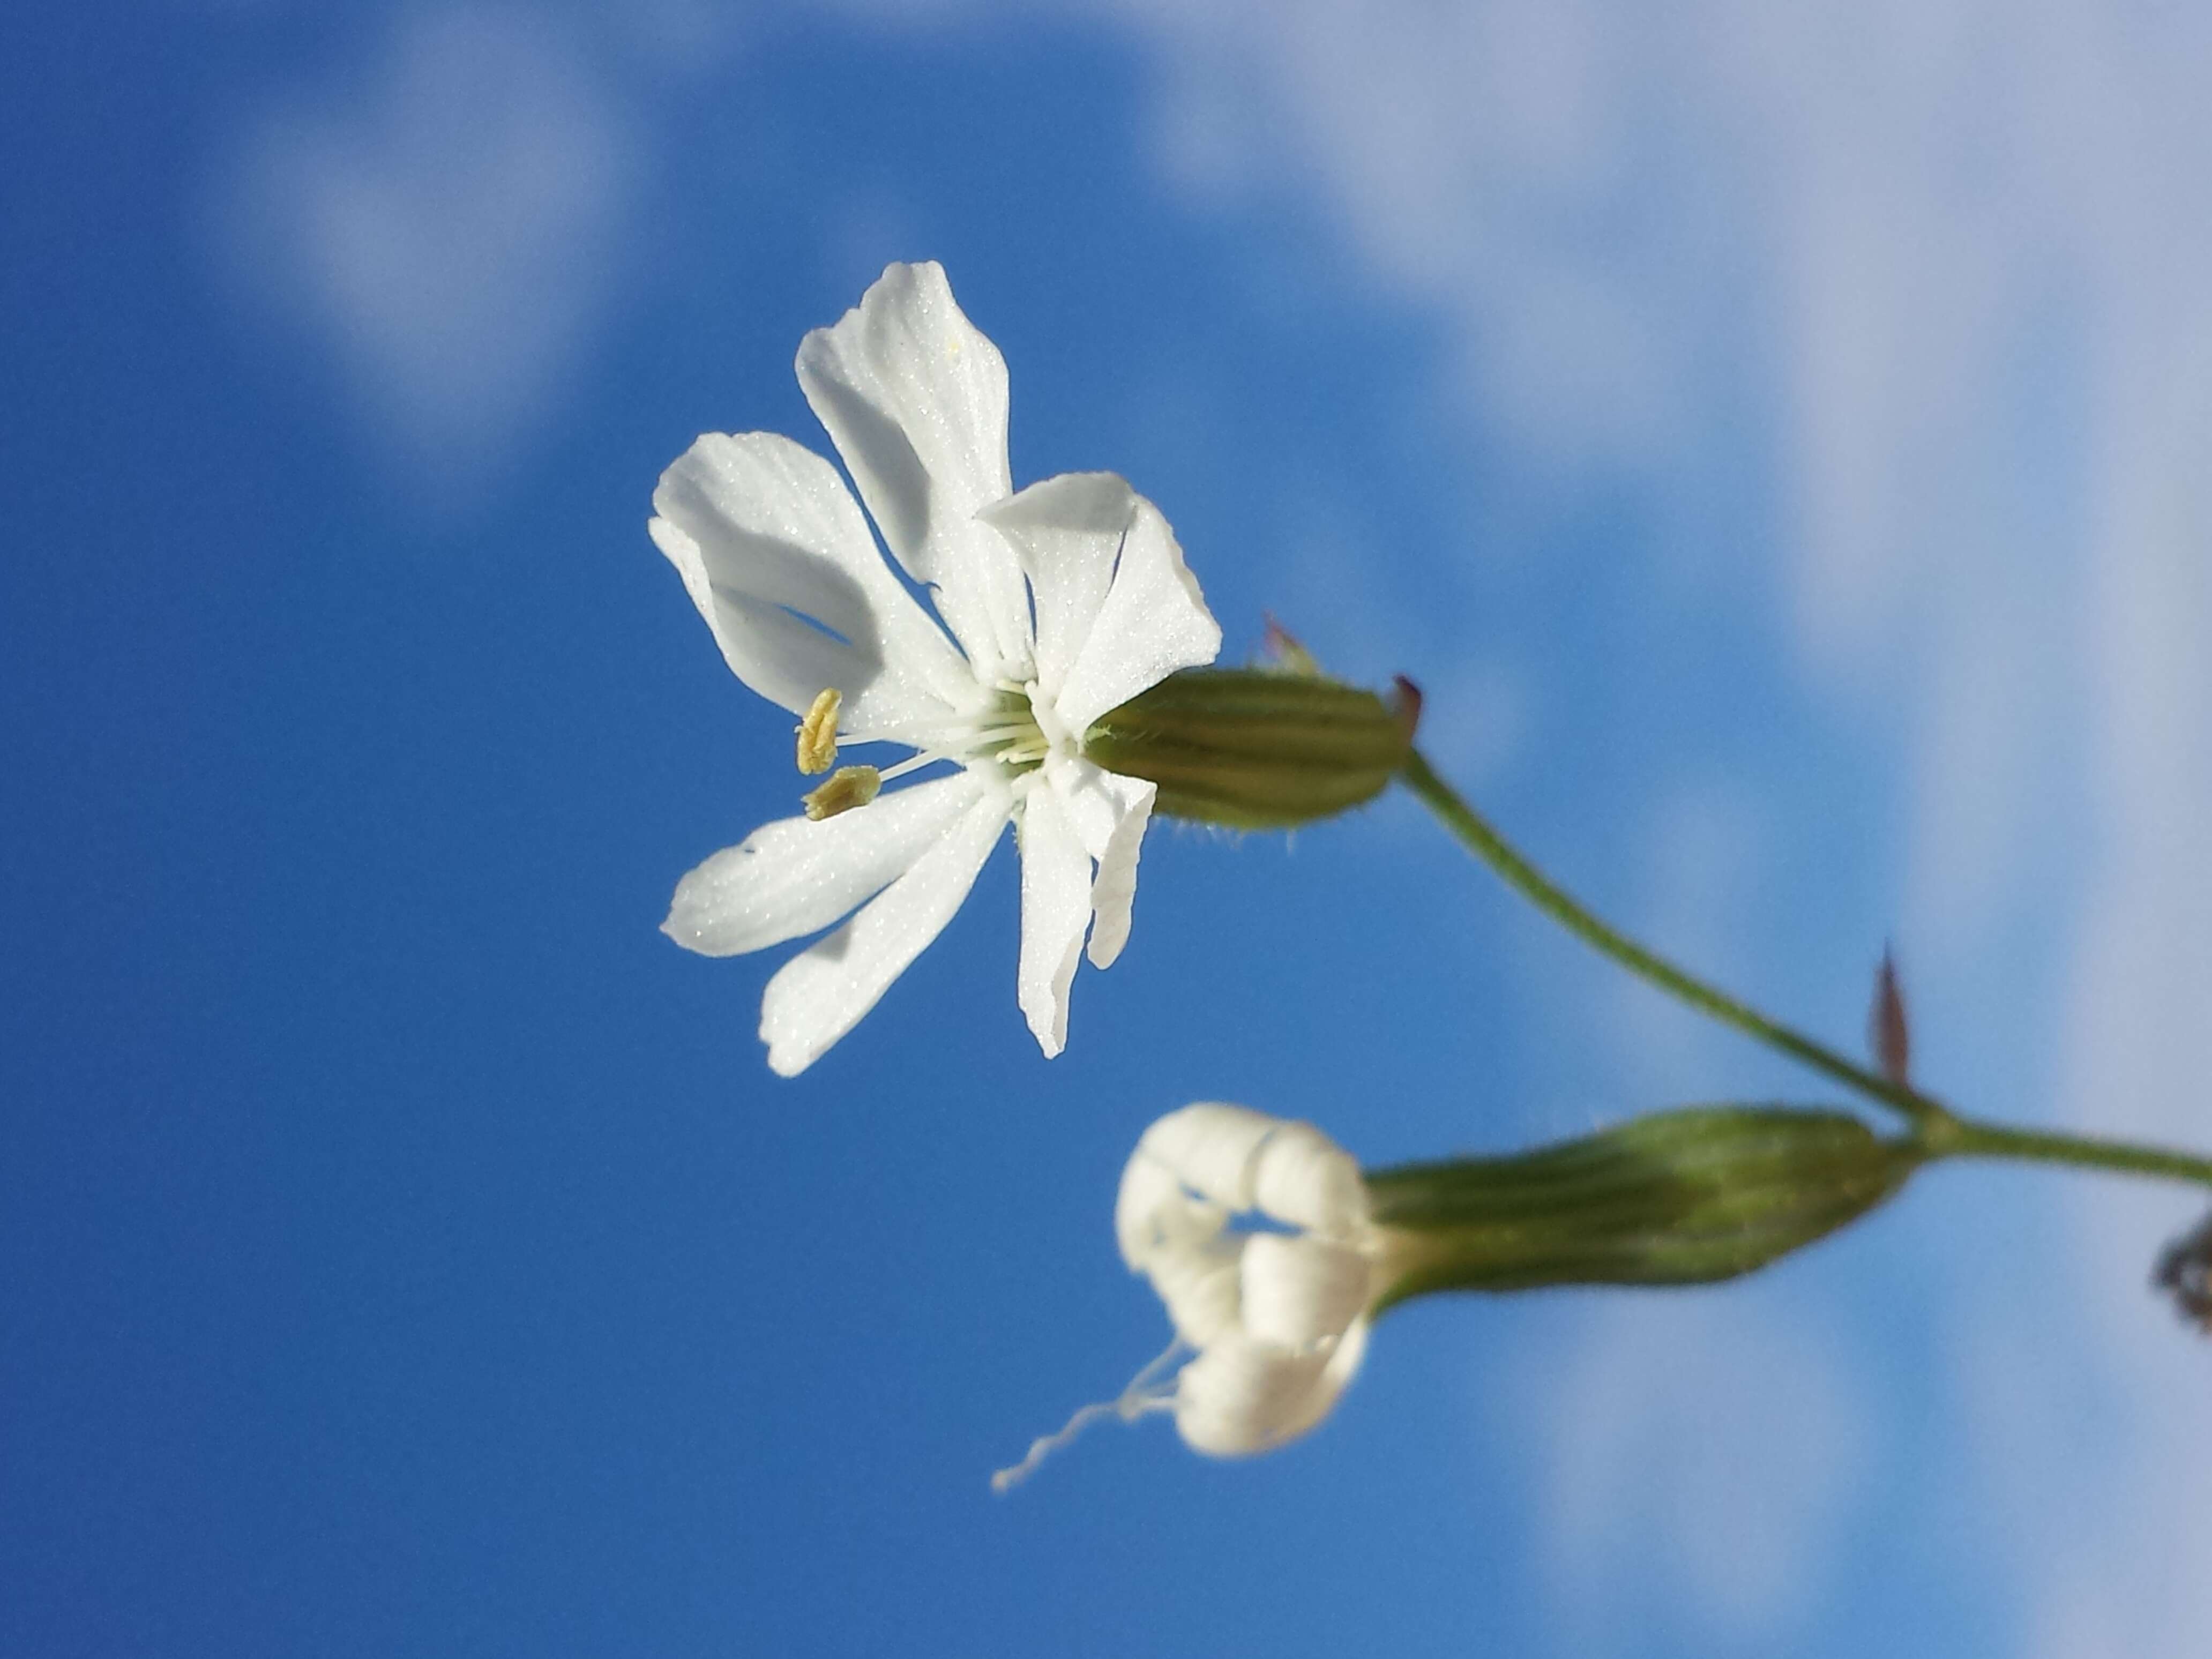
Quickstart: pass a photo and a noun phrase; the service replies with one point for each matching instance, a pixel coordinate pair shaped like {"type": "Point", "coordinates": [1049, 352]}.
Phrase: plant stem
{"type": "Point", "coordinates": [1938, 1132]}
{"type": "Point", "coordinates": [1476, 832]}
{"type": "Point", "coordinates": [1966, 1138]}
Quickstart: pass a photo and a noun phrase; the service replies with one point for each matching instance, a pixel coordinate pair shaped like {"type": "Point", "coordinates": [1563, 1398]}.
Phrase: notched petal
{"type": "Point", "coordinates": [916, 398]}
{"type": "Point", "coordinates": [822, 993]}
{"type": "Point", "coordinates": [1055, 913]}
{"type": "Point", "coordinates": [1068, 530]}
{"type": "Point", "coordinates": [774, 554]}
{"type": "Point", "coordinates": [795, 877]}
{"type": "Point", "coordinates": [1152, 622]}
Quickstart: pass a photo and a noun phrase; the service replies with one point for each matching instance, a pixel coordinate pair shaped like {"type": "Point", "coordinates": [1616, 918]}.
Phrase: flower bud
{"type": "Point", "coordinates": [2184, 1273]}
{"type": "Point", "coordinates": [1255, 1232]}
{"type": "Point", "coordinates": [1257, 748]}
{"type": "Point", "coordinates": [1271, 1314]}
{"type": "Point", "coordinates": [1275, 1253]}
{"type": "Point", "coordinates": [1676, 1197]}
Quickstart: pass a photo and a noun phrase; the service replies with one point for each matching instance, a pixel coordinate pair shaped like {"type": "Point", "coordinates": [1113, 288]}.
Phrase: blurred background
{"type": "Point", "coordinates": [1776, 438]}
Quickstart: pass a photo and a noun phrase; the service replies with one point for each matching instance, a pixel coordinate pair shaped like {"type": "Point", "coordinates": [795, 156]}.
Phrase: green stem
{"type": "Point", "coordinates": [1476, 832]}
{"type": "Point", "coordinates": [1938, 1132]}
{"type": "Point", "coordinates": [1966, 1138]}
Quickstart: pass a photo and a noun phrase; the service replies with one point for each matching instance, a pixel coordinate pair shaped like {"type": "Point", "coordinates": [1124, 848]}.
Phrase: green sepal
{"type": "Point", "coordinates": [1256, 748]}
{"type": "Point", "coordinates": [1677, 1198]}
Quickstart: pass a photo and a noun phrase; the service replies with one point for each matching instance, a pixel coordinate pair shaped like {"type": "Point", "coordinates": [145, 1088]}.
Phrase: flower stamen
{"type": "Point", "coordinates": [817, 732]}
{"type": "Point", "coordinates": [1015, 734]}
{"type": "Point", "coordinates": [848, 787]}
{"type": "Point", "coordinates": [914, 763]}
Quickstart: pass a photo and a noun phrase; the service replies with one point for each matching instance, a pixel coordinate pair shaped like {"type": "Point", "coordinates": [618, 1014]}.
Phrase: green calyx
{"type": "Point", "coordinates": [1257, 748]}
{"type": "Point", "coordinates": [1677, 1198]}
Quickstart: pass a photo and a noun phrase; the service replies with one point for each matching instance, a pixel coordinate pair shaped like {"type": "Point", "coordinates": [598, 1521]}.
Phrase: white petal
{"type": "Point", "coordinates": [1302, 1178]}
{"type": "Point", "coordinates": [1153, 622]}
{"type": "Point", "coordinates": [791, 877]}
{"type": "Point", "coordinates": [1335, 1379]}
{"type": "Point", "coordinates": [1056, 911]}
{"type": "Point", "coordinates": [1300, 1292]}
{"type": "Point", "coordinates": [1201, 1286]}
{"type": "Point", "coordinates": [1096, 800]}
{"type": "Point", "coordinates": [770, 543]}
{"type": "Point", "coordinates": [1115, 889]}
{"type": "Point", "coordinates": [916, 399]}
{"type": "Point", "coordinates": [1211, 1148]}
{"type": "Point", "coordinates": [1344, 1362]}
{"type": "Point", "coordinates": [1110, 813]}
{"type": "Point", "coordinates": [1240, 1396]}
{"type": "Point", "coordinates": [821, 993]}
{"type": "Point", "coordinates": [1154, 1211]}
{"type": "Point", "coordinates": [1068, 530]}
{"type": "Point", "coordinates": [766, 648]}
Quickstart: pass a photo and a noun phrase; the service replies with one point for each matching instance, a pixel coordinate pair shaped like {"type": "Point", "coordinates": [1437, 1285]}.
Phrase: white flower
{"type": "Point", "coordinates": [1062, 601]}
{"type": "Point", "coordinates": [1275, 1310]}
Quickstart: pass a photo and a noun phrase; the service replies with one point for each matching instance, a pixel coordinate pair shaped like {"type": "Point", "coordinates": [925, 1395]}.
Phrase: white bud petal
{"type": "Point", "coordinates": [1335, 1376]}
{"type": "Point", "coordinates": [1210, 1147]}
{"type": "Point", "coordinates": [1241, 1397]}
{"type": "Point", "coordinates": [1154, 1211]}
{"type": "Point", "coordinates": [1299, 1293]}
{"type": "Point", "coordinates": [1203, 1287]}
{"type": "Point", "coordinates": [1302, 1178]}
{"type": "Point", "coordinates": [1278, 1318]}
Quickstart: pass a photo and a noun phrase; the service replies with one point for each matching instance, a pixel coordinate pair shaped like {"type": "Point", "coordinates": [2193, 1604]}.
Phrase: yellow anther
{"type": "Point", "coordinates": [817, 733]}
{"type": "Point", "coordinates": [848, 787]}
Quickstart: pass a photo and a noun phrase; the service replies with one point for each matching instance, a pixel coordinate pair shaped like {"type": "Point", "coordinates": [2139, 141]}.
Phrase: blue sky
{"type": "Point", "coordinates": [1776, 439]}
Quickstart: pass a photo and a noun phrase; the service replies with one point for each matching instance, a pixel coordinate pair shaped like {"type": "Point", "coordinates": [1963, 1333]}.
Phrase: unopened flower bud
{"type": "Point", "coordinates": [1257, 748]}
{"type": "Point", "coordinates": [2184, 1273]}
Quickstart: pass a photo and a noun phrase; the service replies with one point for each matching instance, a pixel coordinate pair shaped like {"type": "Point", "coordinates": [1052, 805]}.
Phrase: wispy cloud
{"type": "Point", "coordinates": [1948, 249]}
{"type": "Point", "coordinates": [1702, 1455]}
{"type": "Point", "coordinates": [442, 225]}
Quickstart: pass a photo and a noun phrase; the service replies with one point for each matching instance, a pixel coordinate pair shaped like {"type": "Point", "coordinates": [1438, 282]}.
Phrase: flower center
{"type": "Point", "coordinates": [1016, 730]}
{"type": "Point", "coordinates": [1021, 729]}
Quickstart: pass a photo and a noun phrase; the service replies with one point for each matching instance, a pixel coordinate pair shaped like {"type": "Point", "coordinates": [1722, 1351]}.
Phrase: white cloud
{"type": "Point", "coordinates": [2141, 1019]}
{"type": "Point", "coordinates": [1947, 246]}
{"type": "Point", "coordinates": [1702, 1452]}
{"type": "Point", "coordinates": [445, 227]}
{"type": "Point", "coordinates": [1475, 155]}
